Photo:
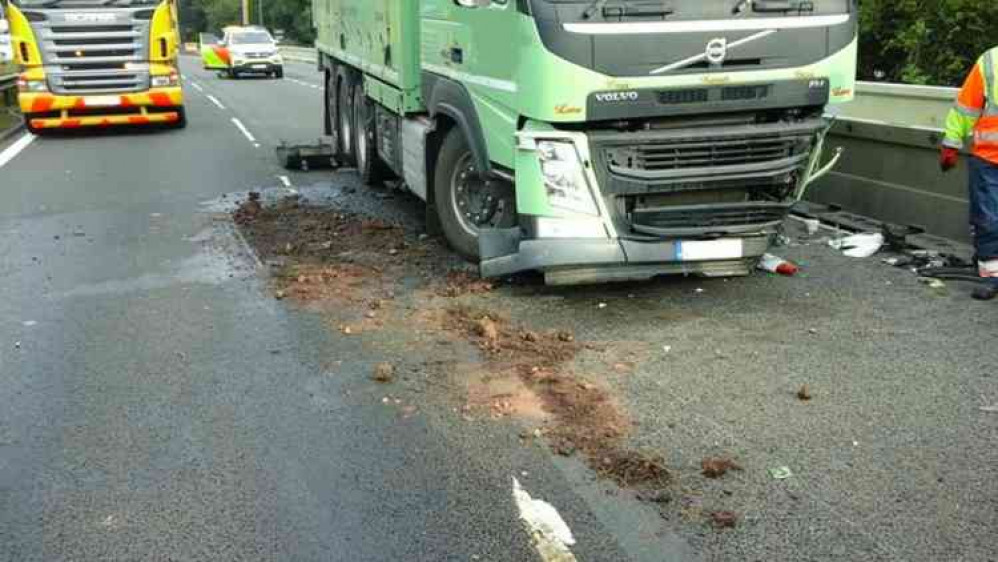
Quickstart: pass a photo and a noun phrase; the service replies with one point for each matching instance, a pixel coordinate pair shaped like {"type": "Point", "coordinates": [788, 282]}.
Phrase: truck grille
{"type": "Point", "coordinates": [683, 154]}
{"type": "Point", "coordinates": [700, 218]}
{"type": "Point", "coordinates": [108, 56]}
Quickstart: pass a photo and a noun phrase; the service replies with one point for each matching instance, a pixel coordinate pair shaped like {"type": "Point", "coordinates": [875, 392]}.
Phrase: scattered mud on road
{"type": "Point", "coordinates": [365, 274]}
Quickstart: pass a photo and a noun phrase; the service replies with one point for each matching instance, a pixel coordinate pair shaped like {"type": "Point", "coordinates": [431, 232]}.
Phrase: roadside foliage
{"type": "Point", "coordinates": [929, 42]}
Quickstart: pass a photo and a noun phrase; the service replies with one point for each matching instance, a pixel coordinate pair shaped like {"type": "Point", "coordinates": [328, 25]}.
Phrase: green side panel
{"type": "Point", "coordinates": [379, 37]}
{"type": "Point", "coordinates": [385, 94]}
{"type": "Point", "coordinates": [485, 66]}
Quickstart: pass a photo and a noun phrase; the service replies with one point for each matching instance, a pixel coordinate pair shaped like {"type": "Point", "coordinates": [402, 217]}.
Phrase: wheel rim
{"type": "Point", "coordinates": [477, 202]}
{"type": "Point", "coordinates": [346, 129]}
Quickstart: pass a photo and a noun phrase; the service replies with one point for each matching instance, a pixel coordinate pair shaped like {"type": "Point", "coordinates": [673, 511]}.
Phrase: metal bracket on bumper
{"type": "Point", "coordinates": [576, 261]}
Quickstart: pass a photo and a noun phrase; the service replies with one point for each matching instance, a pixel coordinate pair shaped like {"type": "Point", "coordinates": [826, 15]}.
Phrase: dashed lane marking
{"type": "Point", "coordinates": [249, 136]}
{"type": "Point", "coordinates": [215, 101]}
{"type": "Point", "coordinates": [14, 149]}
{"type": "Point", "coordinates": [548, 531]}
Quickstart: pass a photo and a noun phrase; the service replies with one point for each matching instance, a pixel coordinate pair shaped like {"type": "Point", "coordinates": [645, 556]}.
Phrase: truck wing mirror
{"type": "Point", "coordinates": [473, 3]}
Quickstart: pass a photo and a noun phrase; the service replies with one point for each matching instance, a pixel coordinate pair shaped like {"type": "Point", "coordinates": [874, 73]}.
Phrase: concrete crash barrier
{"type": "Point", "coordinates": [890, 168]}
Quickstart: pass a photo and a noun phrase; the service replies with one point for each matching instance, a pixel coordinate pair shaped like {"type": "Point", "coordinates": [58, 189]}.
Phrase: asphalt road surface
{"type": "Point", "coordinates": [157, 404]}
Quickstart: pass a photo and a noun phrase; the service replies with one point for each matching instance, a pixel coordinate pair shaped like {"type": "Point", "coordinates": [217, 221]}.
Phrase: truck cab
{"type": "Point", "coordinates": [606, 139]}
{"type": "Point", "coordinates": [95, 63]}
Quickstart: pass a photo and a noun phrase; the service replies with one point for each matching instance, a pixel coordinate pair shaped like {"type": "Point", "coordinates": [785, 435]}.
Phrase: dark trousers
{"type": "Point", "coordinates": [984, 207]}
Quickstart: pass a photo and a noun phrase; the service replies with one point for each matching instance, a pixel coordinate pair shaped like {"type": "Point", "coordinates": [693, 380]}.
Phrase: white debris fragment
{"type": "Point", "coordinates": [859, 245]}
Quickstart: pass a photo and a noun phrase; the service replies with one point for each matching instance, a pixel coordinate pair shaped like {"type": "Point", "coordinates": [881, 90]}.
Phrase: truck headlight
{"type": "Point", "coordinates": [564, 179]}
{"type": "Point", "coordinates": [31, 86]}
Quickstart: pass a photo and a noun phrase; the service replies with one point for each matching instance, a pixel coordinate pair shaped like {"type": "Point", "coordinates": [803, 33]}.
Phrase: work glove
{"type": "Point", "coordinates": [948, 158]}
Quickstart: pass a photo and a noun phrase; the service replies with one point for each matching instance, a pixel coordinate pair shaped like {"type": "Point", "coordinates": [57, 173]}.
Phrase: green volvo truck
{"type": "Point", "coordinates": [591, 140]}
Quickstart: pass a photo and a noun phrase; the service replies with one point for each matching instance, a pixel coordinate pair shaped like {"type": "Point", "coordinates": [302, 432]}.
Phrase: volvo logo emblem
{"type": "Point", "coordinates": [717, 51]}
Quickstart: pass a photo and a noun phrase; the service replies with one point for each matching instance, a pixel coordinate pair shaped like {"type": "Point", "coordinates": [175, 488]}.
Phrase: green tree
{"type": "Point", "coordinates": [924, 41]}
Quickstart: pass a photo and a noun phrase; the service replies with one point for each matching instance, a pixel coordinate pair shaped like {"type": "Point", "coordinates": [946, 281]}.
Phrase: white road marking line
{"type": "Point", "coordinates": [197, 86]}
{"type": "Point", "coordinates": [249, 136]}
{"type": "Point", "coordinates": [14, 149]}
{"type": "Point", "coordinates": [548, 531]}
{"type": "Point", "coordinates": [215, 101]}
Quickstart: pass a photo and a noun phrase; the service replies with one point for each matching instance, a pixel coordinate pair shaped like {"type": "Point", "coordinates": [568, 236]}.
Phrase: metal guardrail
{"type": "Point", "coordinates": [889, 170]}
{"type": "Point", "coordinates": [300, 54]}
{"type": "Point", "coordinates": [8, 96]}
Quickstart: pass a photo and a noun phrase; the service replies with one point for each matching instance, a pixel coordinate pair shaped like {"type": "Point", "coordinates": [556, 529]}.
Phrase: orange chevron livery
{"type": "Point", "coordinates": [97, 63]}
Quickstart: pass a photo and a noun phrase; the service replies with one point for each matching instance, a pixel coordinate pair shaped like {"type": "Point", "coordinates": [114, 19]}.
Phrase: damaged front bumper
{"type": "Point", "coordinates": [577, 261]}
{"type": "Point", "coordinates": [641, 204]}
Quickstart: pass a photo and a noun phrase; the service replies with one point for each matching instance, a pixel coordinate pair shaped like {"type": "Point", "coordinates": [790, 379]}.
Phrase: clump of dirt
{"type": "Point", "coordinates": [461, 282]}
{"type": "Point", "coordinates": [341, 283]}
{"type": "Point", "coordinates": [494, 335]}
{"type": "Point", "coordinates": [804, 394]}
{"type": "Point", "coordinates": [249, 210]}
{"type": "Point", "coordinates": [584, 418]}
{"type": "Point", "coordinates": [717, 467]}
{"type": "Point", "coordinates": [724, 519]}
{"type": "Point", "coordinates": [383, 373]}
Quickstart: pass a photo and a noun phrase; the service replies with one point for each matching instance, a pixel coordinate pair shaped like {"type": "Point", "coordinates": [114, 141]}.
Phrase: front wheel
{"type": "Point", "coordinates": [279, 73]}
{"type": "Point", "coordinates": [31, 128]}
{"type": "Point", "coordinates": [181, 121]}
{"type": "Point", "coordinates": [467, 200]}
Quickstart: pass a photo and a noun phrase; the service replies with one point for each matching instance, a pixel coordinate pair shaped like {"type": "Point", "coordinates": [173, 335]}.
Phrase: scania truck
{"type": "Point", "coordinates": [591, 140]}
{"type": "Point", "coordinates": [97, 63]}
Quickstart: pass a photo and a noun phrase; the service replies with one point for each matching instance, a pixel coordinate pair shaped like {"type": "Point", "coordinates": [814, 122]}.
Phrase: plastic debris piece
{"type": "Point", "coordinates": [804, 394]}
{"type": "Point", "coordinates": [776, 264]}
{"type": "Point", "coordinates": [781, 473]}
{"type": "Point", "coordinates": [724, 519]}
{"type": "Point", "coordinates": [859, 245]}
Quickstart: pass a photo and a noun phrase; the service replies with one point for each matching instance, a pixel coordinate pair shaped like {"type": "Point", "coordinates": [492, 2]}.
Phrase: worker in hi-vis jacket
{"type": "Point", "coordinates": [976, 113]}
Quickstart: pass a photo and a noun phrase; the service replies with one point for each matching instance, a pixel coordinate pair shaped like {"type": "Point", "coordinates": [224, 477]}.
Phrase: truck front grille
{"type": "Point", "coordinates": [106, 54]}
{"type": "Point", "coordinates": [684, 154]}
{"type": "Point", "coordinates": [722, 217]}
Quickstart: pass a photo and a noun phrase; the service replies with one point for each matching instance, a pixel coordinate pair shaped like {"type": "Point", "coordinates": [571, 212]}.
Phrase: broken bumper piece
{"type": "Point", "coordinates": [567, 261]}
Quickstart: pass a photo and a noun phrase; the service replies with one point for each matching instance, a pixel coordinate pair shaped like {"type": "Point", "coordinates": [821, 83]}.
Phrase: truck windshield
{"type": "Point", "coordinates": [252, 38]}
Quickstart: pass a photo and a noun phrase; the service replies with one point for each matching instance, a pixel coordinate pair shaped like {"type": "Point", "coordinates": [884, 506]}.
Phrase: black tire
{"type": "Point", "coordinates": [344, 98]}
{"type": "Point", "coordinates": [279, 73]}
{"type": "Point", "coordinates": [332, 108]}
{"type": "Point", "coordinates": [181, 122]}
{"type": "Point", "coordinates": [31, 128]}
{"type": "Point", "coordinates": [369, 164]}
{"type": "Point", "coordinates": [465, 200]}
